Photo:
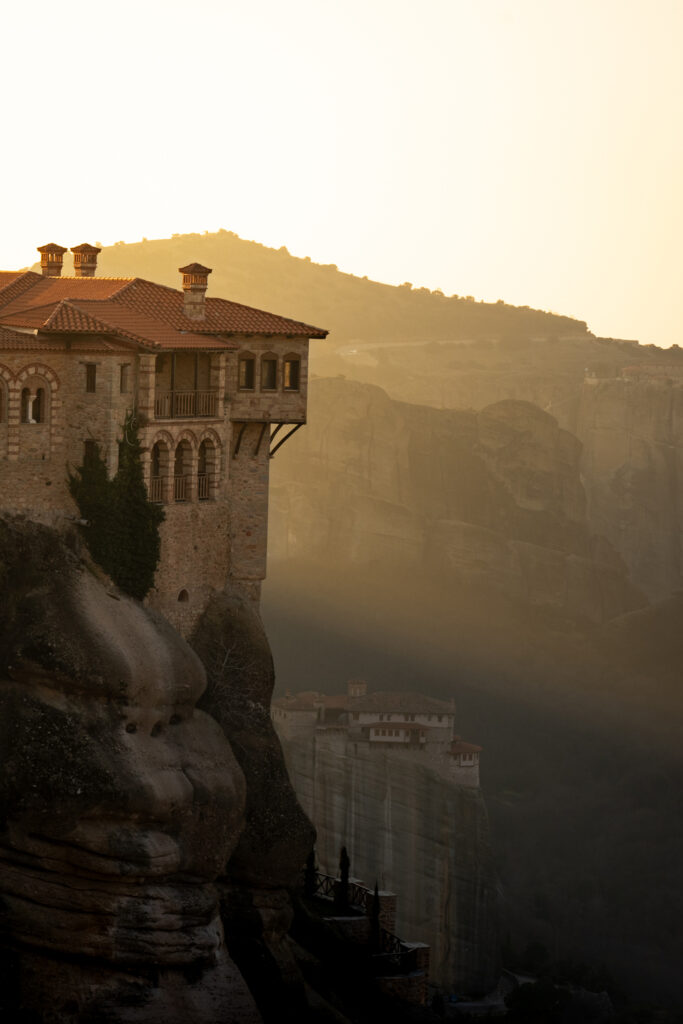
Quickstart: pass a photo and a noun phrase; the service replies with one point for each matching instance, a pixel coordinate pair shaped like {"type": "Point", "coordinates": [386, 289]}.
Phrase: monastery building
{"type": "Point", "coordinates": [216, 388]}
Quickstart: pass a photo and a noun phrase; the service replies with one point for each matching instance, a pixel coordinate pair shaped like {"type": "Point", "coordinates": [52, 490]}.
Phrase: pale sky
{"type": "Point", "coordinates": [529, 150]}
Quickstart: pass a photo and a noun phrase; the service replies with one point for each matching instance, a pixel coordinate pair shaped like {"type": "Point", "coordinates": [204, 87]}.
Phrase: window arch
{"type": "Point", "coordinates": [34, 401]}
{"type": "Point", "coordinates": [159, 471]}
{"type": "Point", "coordinates": [182, 471]}
{"type": "Point", "coordinates": [206, 469]}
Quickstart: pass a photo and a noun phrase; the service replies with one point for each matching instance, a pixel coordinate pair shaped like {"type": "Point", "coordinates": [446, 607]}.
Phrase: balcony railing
{"type": "Point", "coordinates": [181, 488]}
{"type": "Point", "coordinates": [203, 486]}
{"type": "Point", "coordinates": [156, 488]}
{"type": "Point", "coordinates": [188, 405]}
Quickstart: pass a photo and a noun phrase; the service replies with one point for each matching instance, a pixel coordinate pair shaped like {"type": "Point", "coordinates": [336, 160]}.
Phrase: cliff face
{"type": "Point", "coordinates": [491, 498]}
{"type": "Point", "coordinates": [632, 433]}
{"type": "Point", "coordinates": [129, 832]}
{"type": "Point", "coordinates": [413, 831]}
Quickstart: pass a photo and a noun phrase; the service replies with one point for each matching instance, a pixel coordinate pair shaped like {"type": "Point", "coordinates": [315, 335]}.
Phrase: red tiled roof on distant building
{"type": "Point", "coordinates": [148, 314]}
{"type": "Point", "coordinates": [460, 747]}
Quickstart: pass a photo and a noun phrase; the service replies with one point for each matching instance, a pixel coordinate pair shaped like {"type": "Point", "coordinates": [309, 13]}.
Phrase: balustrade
{"type": "Point", "coordinates": [170, 405]}
{"type": "Point", "coordinates": [181, 488]}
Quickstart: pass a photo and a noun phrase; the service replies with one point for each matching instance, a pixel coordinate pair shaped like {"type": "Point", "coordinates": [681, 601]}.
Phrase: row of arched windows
{"type": "Point", "coordinates": [272, 375]}
{"type": "Point", "coordinates": [183, 471]}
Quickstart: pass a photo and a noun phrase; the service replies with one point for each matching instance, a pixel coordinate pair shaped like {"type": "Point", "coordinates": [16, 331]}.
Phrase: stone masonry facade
{"type": "Point", "coordinates": [214, 386]}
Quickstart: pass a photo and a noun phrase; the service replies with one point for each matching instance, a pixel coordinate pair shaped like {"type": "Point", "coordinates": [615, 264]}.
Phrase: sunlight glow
{"type": "Point", "coordinates": [527, 150]}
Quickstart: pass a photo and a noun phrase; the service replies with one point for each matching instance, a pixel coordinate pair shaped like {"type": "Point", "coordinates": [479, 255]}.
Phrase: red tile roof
{"type": "Point", "coordinates": [141, 311]}
{"type": "Point", "coordinates": [460, 747]}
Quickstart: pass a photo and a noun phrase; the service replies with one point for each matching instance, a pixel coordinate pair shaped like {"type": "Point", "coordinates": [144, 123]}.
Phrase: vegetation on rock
{"type": "Point", "coordinates": [122, 525]}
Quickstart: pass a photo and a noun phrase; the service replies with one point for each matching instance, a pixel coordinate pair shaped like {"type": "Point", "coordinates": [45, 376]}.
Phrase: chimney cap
{"type": "Point", "coordinates": [52, 247]}
{"type": "Point", "coordinates": [194, 268]}
{"type": "Point", "coordinates": [85, 247]}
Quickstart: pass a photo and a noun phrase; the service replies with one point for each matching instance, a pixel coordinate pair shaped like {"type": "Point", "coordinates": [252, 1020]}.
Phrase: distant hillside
{"type": "Point", "coordinates": [350, 307]}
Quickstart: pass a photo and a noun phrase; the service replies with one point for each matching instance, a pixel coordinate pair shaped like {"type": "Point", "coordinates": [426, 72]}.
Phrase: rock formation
{"type": "Point", "coordinates": [492, 498]}
{"type": "Point", "coordinates": [121, 804]}
{"type": "Point", "coordinates": [408, 827]}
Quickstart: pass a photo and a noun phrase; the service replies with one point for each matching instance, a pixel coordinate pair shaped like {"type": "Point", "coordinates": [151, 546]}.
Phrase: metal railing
{"type": "Point", "coordinates": [392, 954]}
{"type": "Point", "coordinates": [170, 405]}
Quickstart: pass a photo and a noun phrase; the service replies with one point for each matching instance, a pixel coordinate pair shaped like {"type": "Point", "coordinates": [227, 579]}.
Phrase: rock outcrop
{"type": "Point", "coordinates": [493, 498]}
{"type": "Point", "coordinates": [632, 434]}
{"type": "Point", "coordinates": [409, 828]}
{"type": "Point", "coordinates": [121, 803]}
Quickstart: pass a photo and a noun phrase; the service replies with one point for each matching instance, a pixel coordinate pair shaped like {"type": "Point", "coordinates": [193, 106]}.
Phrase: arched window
{"type": "Point", "coordinates": [206, 470]}
{"type": "Point", "coordinates": [291, 373]}
{"type": "Point", "coordinates": [34, 404]}
{"type": "Point", "coordinates": [25, 405]}
{"type": "Point", "coordinates": [38, 406]}
{"type": "Point", "coordinates": [182, 471]}
{"type": "Point", "coordinates": [158, 476]}
{"type": "Point", "coordinates": [269, 372]}
{"type": "Point", "coordinates": [183, 597]}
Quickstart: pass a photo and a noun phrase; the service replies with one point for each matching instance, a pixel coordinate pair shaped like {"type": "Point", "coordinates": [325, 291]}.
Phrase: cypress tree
{"type": "Point", "coordinates": [122, 526]}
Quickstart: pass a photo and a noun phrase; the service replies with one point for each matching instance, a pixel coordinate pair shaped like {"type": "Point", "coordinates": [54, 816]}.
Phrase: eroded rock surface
{"type": "Point", "coordinates": [493, 498]}
{"type": "Point", "coordinates": [120, 803]}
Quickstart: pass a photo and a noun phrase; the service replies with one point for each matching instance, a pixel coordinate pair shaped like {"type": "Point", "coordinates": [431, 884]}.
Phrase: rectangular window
{"type": "Point", "coordinates": [291, 374]}
{"type": "Point", "coordinates": [90, 377]}
{"type": "Point", "coordinates": [269, 374]}
{"type": "Point", "coordinates": [246, 374]}
{"type": "Point", "coordinates": [124, 381]}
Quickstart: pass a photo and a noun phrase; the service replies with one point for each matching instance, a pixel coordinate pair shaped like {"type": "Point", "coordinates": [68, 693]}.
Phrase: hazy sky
{"type": "Point", "coordinates": [529, 150]}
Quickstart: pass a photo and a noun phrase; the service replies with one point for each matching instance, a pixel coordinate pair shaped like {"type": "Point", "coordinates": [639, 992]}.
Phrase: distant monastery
{"type": "Point", "coordinates": [216, 388]}
{"type": "Point", "coordinates": [400, 722]}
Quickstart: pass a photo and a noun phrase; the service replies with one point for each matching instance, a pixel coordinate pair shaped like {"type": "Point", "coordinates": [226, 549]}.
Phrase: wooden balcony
{"type": "Point", "coordinates": [185, 405]}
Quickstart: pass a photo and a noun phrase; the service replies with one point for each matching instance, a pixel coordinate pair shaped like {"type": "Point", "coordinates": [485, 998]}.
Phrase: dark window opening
{"type": "Point", "coordinates": [124, 382]}
{"type": "Point", "coordinates": [90, 377]}
{"type": "Point", "coordinates": [268, 374]}
{"type": "Point", "coordinates": [246, 374]}
{"type": "Point", "coordinates": [183, 596]}
{"type": "Point", "coordinates": [291, 374]}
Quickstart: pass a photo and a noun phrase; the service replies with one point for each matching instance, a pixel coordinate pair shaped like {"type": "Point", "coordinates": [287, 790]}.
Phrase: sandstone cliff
{"type": "Point", "coordinates": [493, 498]}
{"type": "Point", "coordinates": [415, 833]}
{"type": "Point", "coordinates": [132, 839]}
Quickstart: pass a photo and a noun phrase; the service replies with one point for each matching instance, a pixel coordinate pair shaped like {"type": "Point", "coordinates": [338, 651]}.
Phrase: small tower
{"type": "Point", "coordinates": [85, 259]}
{"type": "Point", "coordinates": [51, 259]}
{"type": "Point", "coordinates": [195, 283]}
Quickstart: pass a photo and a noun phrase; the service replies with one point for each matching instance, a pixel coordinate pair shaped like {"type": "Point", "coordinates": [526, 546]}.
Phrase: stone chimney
{"type": "Point", "coordinates": [85, 259]}
{"type": "Point", "coordinates": [356, 688]}
{"type": "Point", "coordinates": [195, 283]}
{"type": "Point", "coordinates": [51, 259]}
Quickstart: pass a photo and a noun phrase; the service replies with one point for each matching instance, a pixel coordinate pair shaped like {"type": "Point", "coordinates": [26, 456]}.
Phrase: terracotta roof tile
{"type": "Point", "coordinates": [148, 313]}
{"type": "Point", "coordinates": [15, 283]}
{"type": "Point", "coordinates": [460, 747]}
{"type": "Point", "coordinates": [221, 314]}
{"type": "Point", "coordinates": [18, 341]}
